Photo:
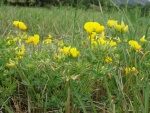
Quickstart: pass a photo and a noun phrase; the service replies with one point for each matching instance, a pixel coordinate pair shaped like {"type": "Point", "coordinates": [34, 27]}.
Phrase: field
{"type": "Point", "coordinates": [64, 59]}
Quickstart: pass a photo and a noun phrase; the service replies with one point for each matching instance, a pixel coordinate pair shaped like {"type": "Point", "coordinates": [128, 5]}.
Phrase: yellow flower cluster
{"type": "Point", "coordinates": [128, 70]}
{"type": "Point", "coordinates": [48, 40]}
{"type": "Point", "coordinates": [33, 39]}
{"type": "Point", "coordinates": [68, 50]}
{"type": "Point", "coordinates": [97, 35]}
{"type": "Point", "coordinates": [142, 39]}
{"type": "Point", "coordinates": [108, 59]}
{"type": "Point", "coordinates": [118, 27]}
{"type": "Point", "coordinates": [20, 25]}
{"type": "Point", "coordinates": [91, 27]}
{"type": "Point", "coordinates": [135, 45]}
{"type": "Point", "coordinates": [102, 42]}
{"type": "Point", "coordinates": [11, 40]}
{"type": "Point", "coordinates": [11, 63]}
{"type": "Point", "coordinates": [20, 53]}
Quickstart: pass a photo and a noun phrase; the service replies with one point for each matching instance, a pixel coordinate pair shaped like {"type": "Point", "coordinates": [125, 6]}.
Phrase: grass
{"type": "Point", "coordinates": [41, 82]}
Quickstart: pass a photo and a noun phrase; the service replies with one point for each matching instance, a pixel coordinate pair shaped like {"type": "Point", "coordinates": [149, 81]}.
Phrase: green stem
{"type": "Point", "coordinates": [107, 89]}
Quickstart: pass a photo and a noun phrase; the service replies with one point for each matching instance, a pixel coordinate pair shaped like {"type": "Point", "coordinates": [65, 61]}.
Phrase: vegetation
{"type": "Point", "coordinates": [55, 60]}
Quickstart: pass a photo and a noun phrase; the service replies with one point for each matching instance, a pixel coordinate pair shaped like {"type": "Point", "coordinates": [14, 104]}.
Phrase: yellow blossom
{"type": "Point", "coordinates": [93, 27]}
{"type": "Point", "coordinates": [111, 23]}
{"type": "Point", "coordinates": [36, 39]}
{"type": "Point", "coordinates": [61, 50]}
{"type": "Point", "coordinates": [125, 29]}
{"type": "Point", "coordinates": [21, 52]}
{"type": "Point", "coordinates": [134, 70]}
{"type": "Point", "coordinates": [112, 43]}
{"type": "Point", "coordinates": [29, 40]}
{"type": "Point", "coordinates": [23, 48]}
{"type": "Point", "coordinates": [60, 43]}
{"type": "Point", "coordinates": [108, 59]}
{"type": "Point", "coordinates": [122, 24]}
{"type": "Point", "coordinates": [121, 28]}
{"type": "Point", "coordinates": [15, 39]}
{"type": "Point", "coordinates": [103, 67]}
{"type": "Point", "coordinates": [93, 42]}
{"type": "Point", "coordinates": [74, 52]}
{"type": "Point", "coordinates": [66, 50]}
{"type": "Point", "coordinates": [117, 28]}
{"type": "Point", "coordinates": [134, 44]}
{"type": "Point", "coordinates": [20, 25]}
{"type": "Point", "coordinates": [101, 41]}
{"type": "Point", "coordinates": [142, 39]}
{"type": "Point", "coordinates": [118, 40]}
{"type": "Point", "coordinates": [16, 23]}
{"type": "Point", "coordinates": [33, 39]}
{"type": "Point", "coordinates": [49, 36]}
{"type": "Point", "coordinates": [11, 64]}
{"type": "Point", "coordinates": [93, 35]}
{"type": "Point", "coordinates": [8, 42]}
{"type": "Point", "coordinates": [47, 41]}
{"type": "Point", "coordinates": [56, 56]}
{"type": "Point", "coordinates": [127, 70]}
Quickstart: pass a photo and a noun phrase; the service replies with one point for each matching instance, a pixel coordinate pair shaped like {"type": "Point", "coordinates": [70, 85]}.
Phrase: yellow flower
{"type": "Point", "coordinates": [56, 56]}
{"type": "Point", "coordinates": [20, 25]}
{"type": "Point", "coordinates": [94, 43]}
{"type": "Point", "coordinates": [47, 41]}
{"type": "Point", "coordinates": [60, 43]}
{"type": "Point", "coordinates": [29, 40]}
{"type": "Point", "coordinates": [21, 52]}
{"type": "Point", "coordinates": [11, 64]}
{"type": "Point", "coordinates": [93, 27]}
{"type": "Point", "coordinates": [36, 39]}
{"type": "Point", "coordinates": [125, 29]}
{"type": "Point", "coordinates": [118, 40]}
{"type": "Point", "coordinates": [103, 67]}
{"type": "Point", "coordinates": [8, 42]}
{"type": "Point", "coordinates": [121, 28]}
{"type": "Point", "coordinates": [23, 48]}
{"type": "Point", "coordinates": [16, 23]}
{"type": "Point", "coordinates": [142, 39]}
{"type": "Point", "coordinates": [117, 28]}
{"type": "Point", "coordinates": [108, 59]}
{"type": "Point", "coordinates": [49, 36]}
{"type": "Point", "coordinates": [15, 39]}
{"type": "Point", "coordinates": [127, 70]}
{"type": "Point", "coordinates": [112, 43]}
{"type": "Point", "coordinates": [122, 24]}
{"type": "Point", "coordinates": [112, 23]}
{"type": "Point", "coordinates": [101, 41]}
{"type": "Point", "coordinates": [61, 50]}
{"type": "Point", "coordinates": [74, 52]}
{"type": "Point", "coordinates": [134, 70]}
{"type": "Point", "coordinates": [66, 50]}
{"type": "Point", "coordinates": [93, 35]}
{"type": "Point", "coordinates": [134, 44]}
{"type": "Point", "coordinates": [33, 39]}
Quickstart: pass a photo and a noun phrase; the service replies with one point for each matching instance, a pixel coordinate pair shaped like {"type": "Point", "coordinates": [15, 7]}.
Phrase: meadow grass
{"type": "Point", "coordinates": [43, 79]}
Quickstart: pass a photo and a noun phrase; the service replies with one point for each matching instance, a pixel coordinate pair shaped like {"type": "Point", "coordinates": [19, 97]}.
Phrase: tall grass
{"type": "Point", "coordinates": [40, 83]}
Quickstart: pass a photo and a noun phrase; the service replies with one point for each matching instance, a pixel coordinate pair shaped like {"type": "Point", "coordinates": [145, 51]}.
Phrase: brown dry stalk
{"type": "Point", "coordinates": [145, 55]}
{"type": "Point", "coordinates": [68, 102]}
